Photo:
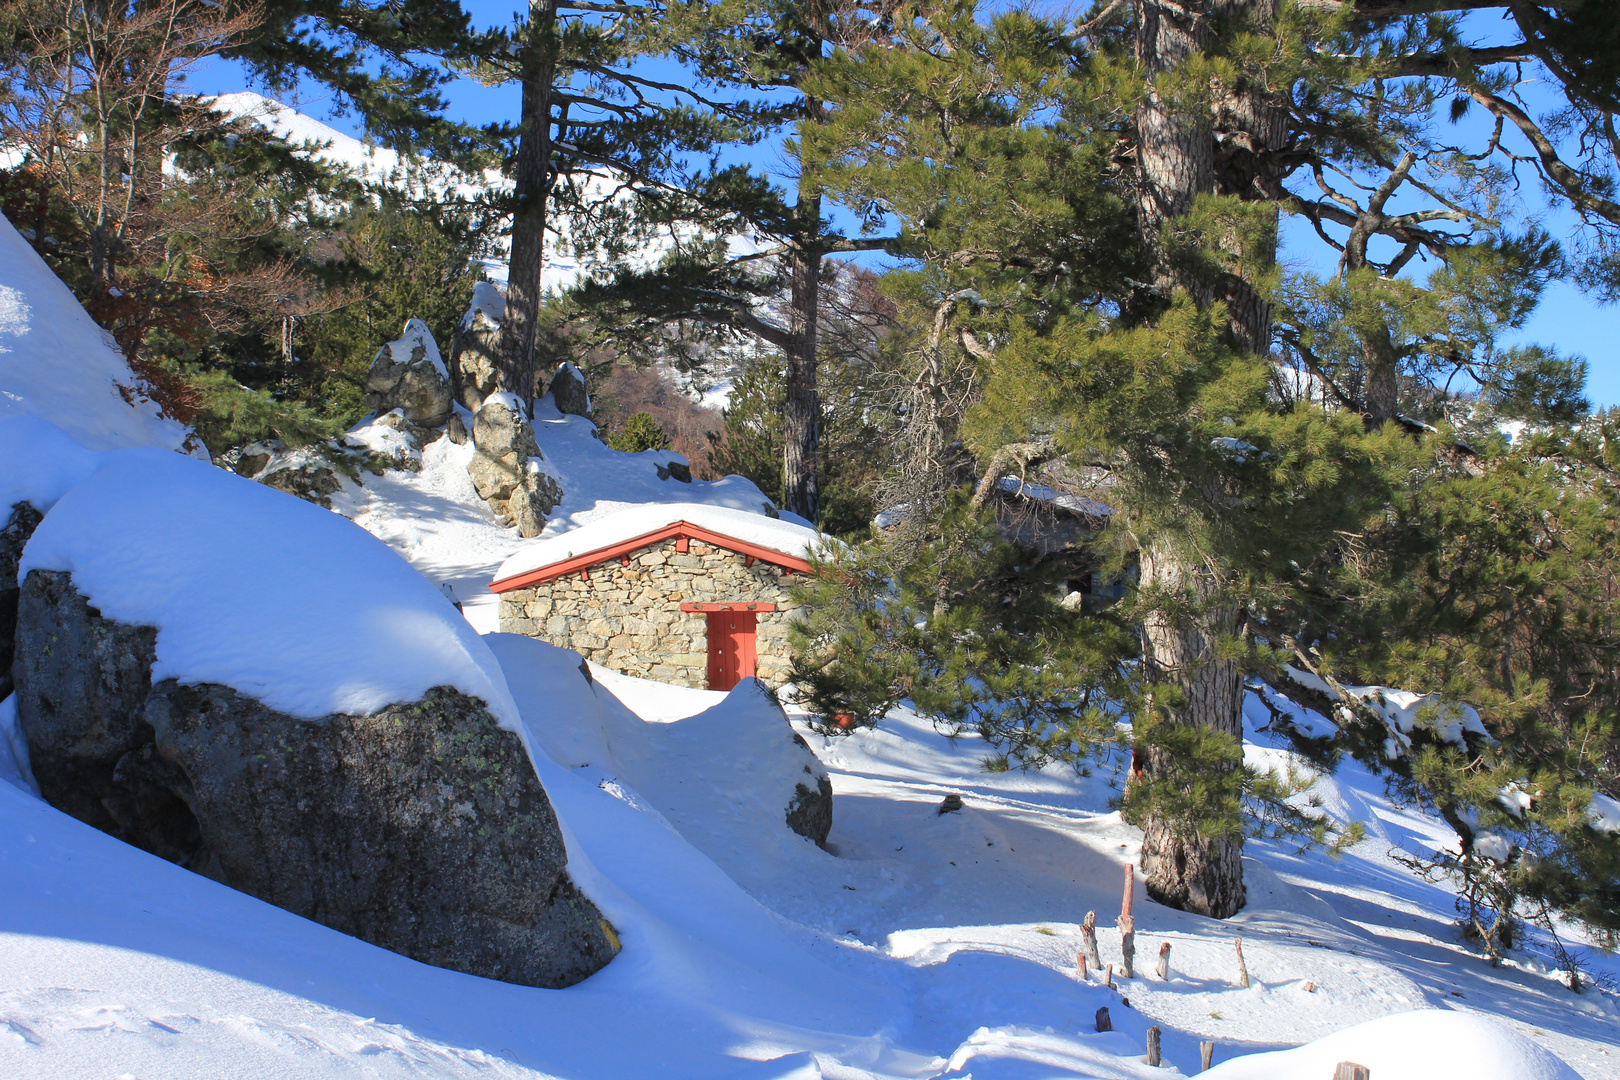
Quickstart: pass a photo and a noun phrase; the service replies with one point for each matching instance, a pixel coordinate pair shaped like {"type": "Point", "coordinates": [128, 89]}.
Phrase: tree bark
{"type": "Point", "coordinates": [1383, 378]}
{"type": "Point", "coordinates": [532, 182]}
{"type": "Point", "coordinates": [1175, 150]}
{"type": "Point", "coordinates": [1251, 128]}
{"type": "Point", "coordinates": [1177, 162]}
{"type": "Point", "coordinates": [1185, 869]}
{"type": "Point", "coordinates": [801, 421]}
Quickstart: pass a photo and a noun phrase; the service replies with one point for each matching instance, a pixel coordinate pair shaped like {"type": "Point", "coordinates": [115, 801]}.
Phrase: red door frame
{"type": "Point", "coordinates": [732, 655]}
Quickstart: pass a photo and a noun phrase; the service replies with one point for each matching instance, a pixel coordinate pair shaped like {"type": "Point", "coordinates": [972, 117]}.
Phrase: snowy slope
{"type": "Point", "coordinates": [57, 364]}
{"type": "Point", "coordinates": [1001, 885]}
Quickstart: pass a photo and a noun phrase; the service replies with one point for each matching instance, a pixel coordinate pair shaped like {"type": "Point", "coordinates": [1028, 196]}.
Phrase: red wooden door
{"type": "Point", "coordinates": [731, 648]}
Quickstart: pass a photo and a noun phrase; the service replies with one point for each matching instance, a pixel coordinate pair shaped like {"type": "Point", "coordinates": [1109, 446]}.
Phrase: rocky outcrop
{"type": "Point", "coordinates": [20, 525]}
{"type": "Point", "coordinates": [391, 441]}
{"type": "Point", "coordinates": [409, 375]}
{"type": "Point", "coordinates": [568, 391]}
{"type": "Point", "coordinates": [473, 347]}
{"type": "Point", "coordinates": [675, 470]}
{"type": "Point", "coordinates": [810, 811]}
{"type": "Point", "coordinates": [306, 472]}
{"type": "Point", "coordinates": [421, 828]}
{"type": "Point", "coordinates": [507, 468]}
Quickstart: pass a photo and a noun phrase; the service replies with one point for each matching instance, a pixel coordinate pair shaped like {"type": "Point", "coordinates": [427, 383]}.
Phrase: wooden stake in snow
{"type": "Point", "coordinates": [1243, 969]}
{"type": "Point", "coordinates": [1103, 1023]}
{"type": "Point", "coordinates": [1088, 934]}
{"type": "Point", "coordinates": [1153, 1046]}
{"type": "Point", "coordinates": [1127, 926]}
{"type": "Point", "coordinates": [1309, 987]}
{"type": "Point", "coordinates": [1349, 1070]}
{"type": "Point", "coordinates": [1109, 977]}
{"type": "Point", "coordinates": [1080, 962]}
{"type": "Point", "coordinates": [1164, 962]}
{"type": "Point", "coordinates": [1206, 1054]}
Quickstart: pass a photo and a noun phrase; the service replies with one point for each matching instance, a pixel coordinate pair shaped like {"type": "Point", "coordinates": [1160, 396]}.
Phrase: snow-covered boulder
{"type": "Point", "coordinates": [263, 692]}
{"type": "Point", "coordinates": [409, 374]}
{"type": "Point", "coordinates": [1418, 1045]}
{"type": "Point", "coordinates": [473, 345]}
{"type": "Point", "coordinates": [19, 526]}
{"type": "Point", "coordinates": [38, 464]}
{"type": "Point", "coordinates": [392, 440]}
{"type": "Point", "coordinates": [568, 391]}
{"type": "Point", "coordinates": [507, 468]}
{"type": "Point", "coordinates": [736, 769]}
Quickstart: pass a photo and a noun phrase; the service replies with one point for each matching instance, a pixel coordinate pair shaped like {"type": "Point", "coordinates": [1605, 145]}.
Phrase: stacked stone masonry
{"type": "Point", "coordinates": [629, 618]}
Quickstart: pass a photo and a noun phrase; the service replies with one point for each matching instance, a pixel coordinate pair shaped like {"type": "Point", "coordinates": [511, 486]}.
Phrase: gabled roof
{"type": "Point", "coordinates": [770, 540]}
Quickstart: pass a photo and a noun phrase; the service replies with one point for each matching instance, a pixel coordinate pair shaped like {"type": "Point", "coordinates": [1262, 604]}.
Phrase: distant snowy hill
{"type": "Point", "coordinates": [376, 165]}
{"type": "Point", "coordinates": [57, 364]}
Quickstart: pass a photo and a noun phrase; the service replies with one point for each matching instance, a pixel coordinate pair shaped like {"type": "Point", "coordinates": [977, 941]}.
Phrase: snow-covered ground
{"type": "Point", "coordinates": [918, 945]}
{"type": "Point", "coordinates": [1002, 884]}
{"type": "Point", "coordinates": [56, 363]}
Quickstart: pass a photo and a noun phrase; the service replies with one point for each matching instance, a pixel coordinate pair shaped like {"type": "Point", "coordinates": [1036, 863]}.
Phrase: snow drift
{"type": "Point", "coordinates": [56, 363]}
{"type": "Point", "coordinates": [1420, 1045]}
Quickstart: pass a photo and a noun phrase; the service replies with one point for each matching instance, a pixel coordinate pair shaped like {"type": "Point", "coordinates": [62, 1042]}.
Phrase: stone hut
{"type": "Point", "coordinates": [682, 593]}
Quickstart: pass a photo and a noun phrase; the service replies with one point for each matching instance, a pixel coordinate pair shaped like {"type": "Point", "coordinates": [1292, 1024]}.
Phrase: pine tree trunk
{"type": "Point", "coordinates": [1177, 162]}
{"type": "Point", "coordinates": [1251, 129]}
{"type": "Point", "coordinates": [514, 360]}
{"type": "Point", "coordinates": [1184, 869]}
{"type": "Point", "coordinates": [801, 420]}
{"type": "Point", "coordinates": [1176, 150]}
{"type": "Point", "coordinates": [1383, 378]}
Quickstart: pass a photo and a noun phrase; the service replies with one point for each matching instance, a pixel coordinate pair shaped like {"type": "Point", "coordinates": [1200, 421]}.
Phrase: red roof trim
{"type": "Point", "coordinates": [677, 529]}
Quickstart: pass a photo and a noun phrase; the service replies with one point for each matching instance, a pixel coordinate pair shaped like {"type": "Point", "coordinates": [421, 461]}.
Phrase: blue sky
{"type": "Point", "coordinates": [1566, 319]}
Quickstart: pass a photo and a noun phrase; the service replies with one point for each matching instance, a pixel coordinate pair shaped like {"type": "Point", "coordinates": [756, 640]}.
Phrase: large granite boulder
{"type": "Point", "coordinates": [420, 828]}
{"type": "Point", "coordinates": [19, 526]}
{"type": "Point", "coordinates": [473, 374]}
{"type": "Point", "coordinates": [508, 469]}
{"type": "Point", "coordinates": [408, 374]}
{"type": "Point", "coordinates": [568, 391]}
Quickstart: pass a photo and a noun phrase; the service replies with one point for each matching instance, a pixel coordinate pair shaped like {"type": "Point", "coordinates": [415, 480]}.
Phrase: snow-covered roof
{"type": "Point", "coordinates": [754, 530]}
{"type": "Point", "coordinates": [56, 363]}
{"type": "Point", "coordinates": [1075, 504]}
{"type": "Point", "coordinates": [260, 591]}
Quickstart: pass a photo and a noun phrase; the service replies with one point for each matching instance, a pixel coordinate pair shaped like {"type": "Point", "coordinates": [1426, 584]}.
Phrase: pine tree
{"type": "Point", "coordinates": [640, 432]}
{"type": "Point", "coordinates": [1166, 387]}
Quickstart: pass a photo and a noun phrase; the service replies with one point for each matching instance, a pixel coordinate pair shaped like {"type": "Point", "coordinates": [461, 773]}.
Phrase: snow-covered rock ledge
{"type": "Point", "coordinates": [259, 690]}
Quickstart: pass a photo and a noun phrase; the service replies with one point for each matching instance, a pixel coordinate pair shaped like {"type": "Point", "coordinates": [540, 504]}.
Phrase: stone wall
{"type": "Point", "coordinates": [629, 618]}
